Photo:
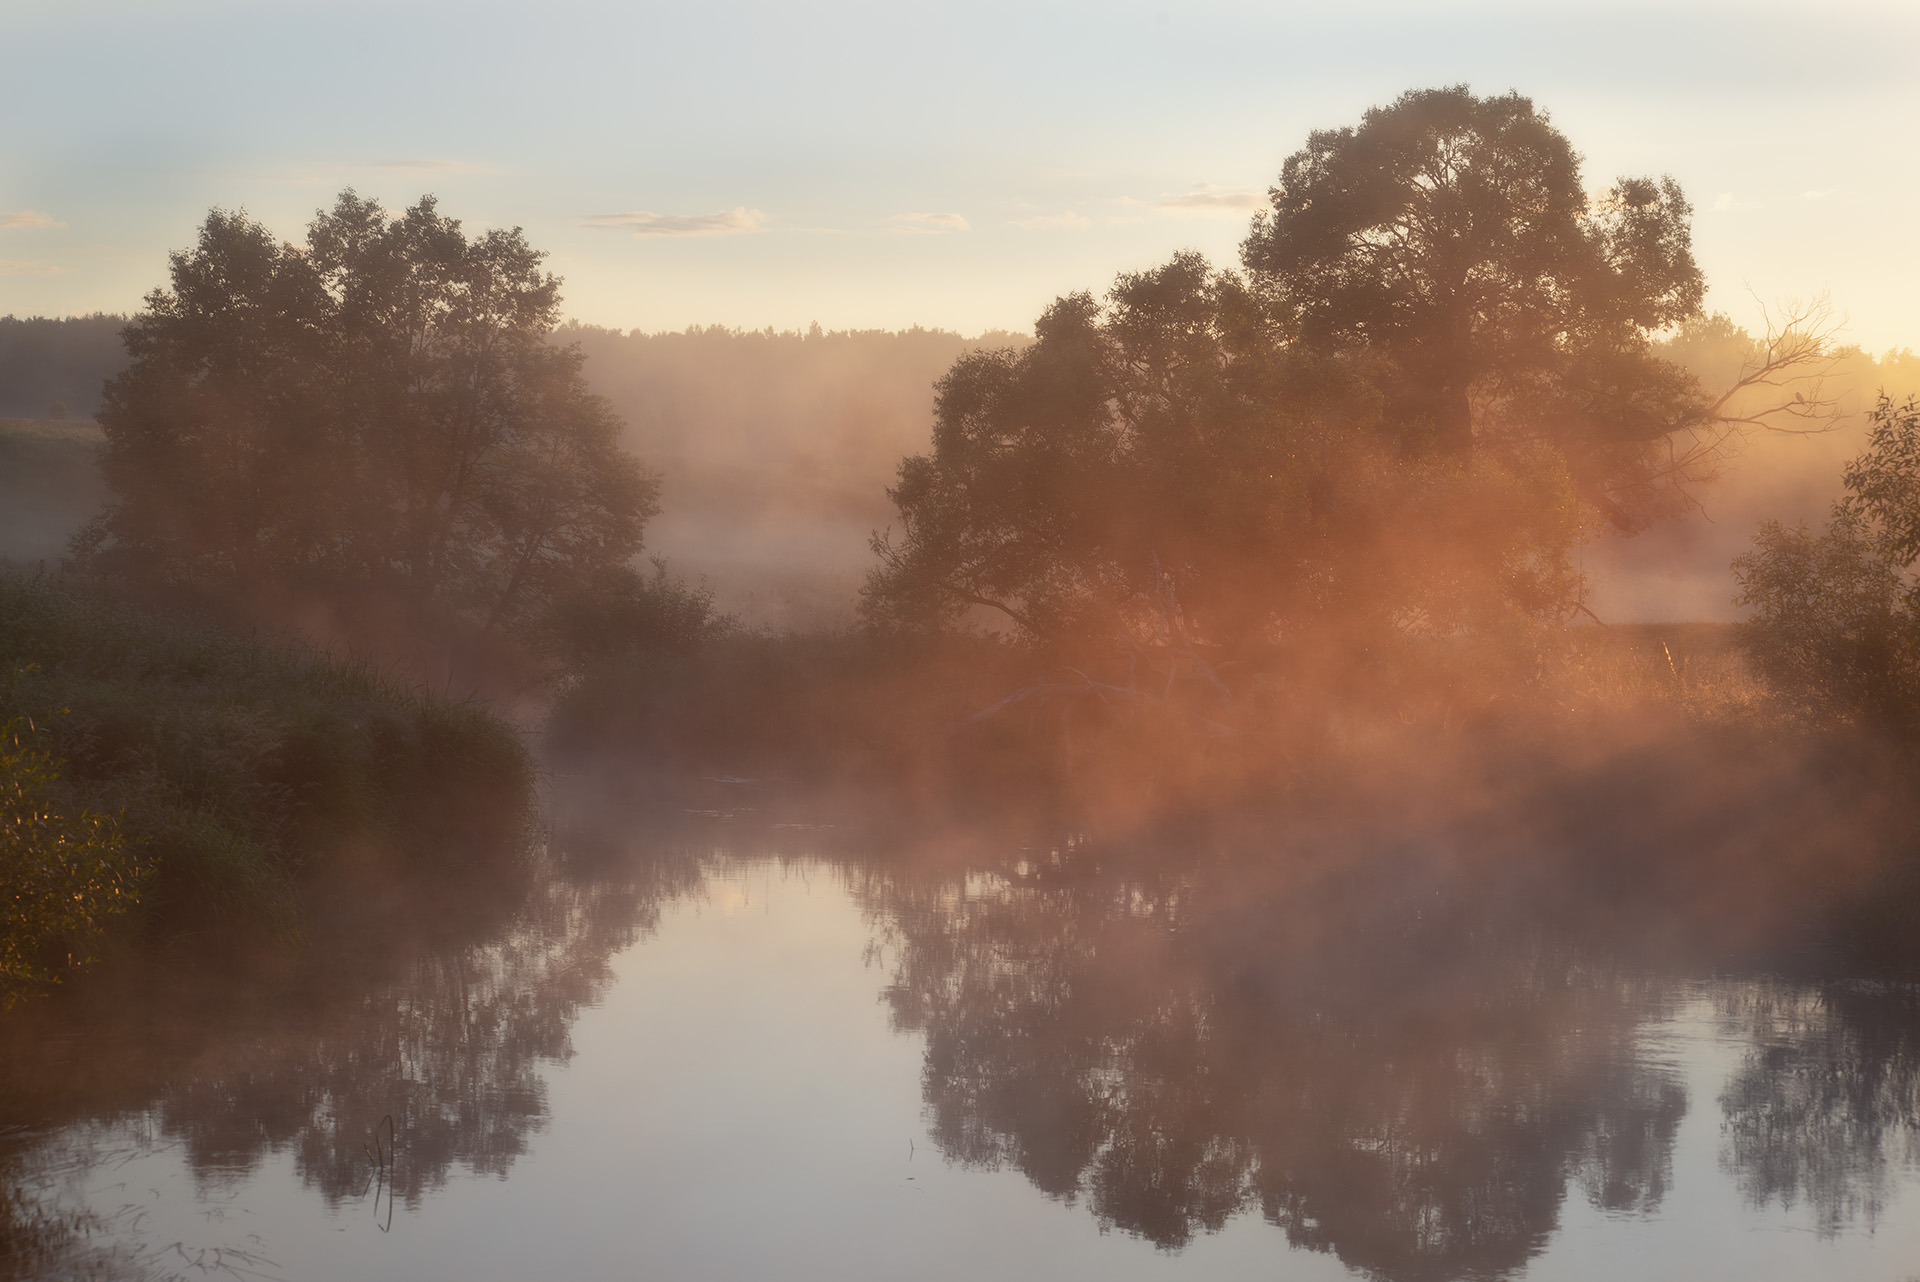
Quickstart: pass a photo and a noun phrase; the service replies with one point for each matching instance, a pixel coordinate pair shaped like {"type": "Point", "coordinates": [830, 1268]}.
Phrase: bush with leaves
{"type": "Point", "coordinates": [619, 611]}
{"type": "Point", "coordinates": [65, 872]}
{"type": "Point", "coordinates": [238, 769]}
{"type": "Point", "coordinates": [1836, 614]}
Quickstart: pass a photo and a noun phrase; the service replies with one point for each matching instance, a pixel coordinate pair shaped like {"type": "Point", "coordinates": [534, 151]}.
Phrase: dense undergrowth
{"type": "Point", "coordinates": [213, 776]}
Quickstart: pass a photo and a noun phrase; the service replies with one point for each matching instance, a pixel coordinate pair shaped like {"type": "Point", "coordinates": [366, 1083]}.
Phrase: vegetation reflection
{"type": "Point", "coordinates": [451, 1038]}
{"type": "Point", "coordinates": [1178, 1044]}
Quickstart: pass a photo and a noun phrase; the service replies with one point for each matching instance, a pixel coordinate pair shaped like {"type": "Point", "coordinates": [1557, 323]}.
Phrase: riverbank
{"type": "Point", "coordinates": [224, 777]}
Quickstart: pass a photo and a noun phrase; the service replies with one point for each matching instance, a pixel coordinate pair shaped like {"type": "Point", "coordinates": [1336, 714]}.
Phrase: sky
{"type": "Point", "coordinates": [884, 165]}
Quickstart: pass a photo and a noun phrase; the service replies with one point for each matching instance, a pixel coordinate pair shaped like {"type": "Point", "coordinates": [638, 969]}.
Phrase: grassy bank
{"type": "Point", "coordinates": [217, 776]}
{"type": "Point", "coordinates": [50, 483]}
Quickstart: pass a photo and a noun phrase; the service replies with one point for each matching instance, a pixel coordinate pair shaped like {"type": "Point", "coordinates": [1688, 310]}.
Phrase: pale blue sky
{"type": "Point", "coordinates": [889, 165]}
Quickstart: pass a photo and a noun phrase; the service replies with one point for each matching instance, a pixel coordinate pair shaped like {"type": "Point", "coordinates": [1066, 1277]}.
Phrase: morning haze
{"type": "Point", "coordinates": [1042, 642]}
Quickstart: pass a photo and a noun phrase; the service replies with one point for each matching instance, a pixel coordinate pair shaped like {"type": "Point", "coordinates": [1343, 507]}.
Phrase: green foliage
{"type": "Point", "coordinates": [1448, 244]}
{"type": "Point", "coordinates": [65, 872]}
{"type": "Point", "coordinates": [1171, 461]}
{"type": "Point", "coordinates": [236, 767]}
{"type": "Point", "coordinates": [1836, 615]}
{"type": "Point", "coordinates": [1437, 371]}
{"type": "Point", "coordinates": [1126, 438]}
{"type": "Point", "coordinates": [620, 611]}
{"type": "Point", "coordinates": [377, 411]}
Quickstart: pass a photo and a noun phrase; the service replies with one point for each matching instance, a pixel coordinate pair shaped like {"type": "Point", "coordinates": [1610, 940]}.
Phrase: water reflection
{"type": "Point", "coordinates": [1175, 1047]}
{"type": "Point", "coordinates": [1377, 1061]}
{"type": "Point", "coordinates": [377, 1084]}
{"type": "Point", "coordinates": [1826, 1105]}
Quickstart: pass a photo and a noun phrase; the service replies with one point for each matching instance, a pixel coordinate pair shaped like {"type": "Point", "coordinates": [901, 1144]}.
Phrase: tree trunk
{"type": "Point", "coordinates": [1453, 422]}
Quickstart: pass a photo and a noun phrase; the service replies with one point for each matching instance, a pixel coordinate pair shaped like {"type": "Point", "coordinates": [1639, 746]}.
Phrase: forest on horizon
{"type": "Point", "coordinates": [776, 449]}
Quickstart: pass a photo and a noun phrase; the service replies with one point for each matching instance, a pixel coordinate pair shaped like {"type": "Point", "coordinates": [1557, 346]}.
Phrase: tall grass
{"type": "Point", "coordinates": [235, 767]}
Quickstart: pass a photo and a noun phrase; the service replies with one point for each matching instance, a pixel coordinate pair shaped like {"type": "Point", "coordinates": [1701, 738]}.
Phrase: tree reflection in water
{"type": "Point", "coordinates": [1372, 1055]}
{"type": "Point", "coordinates": [451, 1040]}
{"type": "Point", "coordinates": [1380, 1076]}
{"type": "Point", "coordinates": [1826, 1103]}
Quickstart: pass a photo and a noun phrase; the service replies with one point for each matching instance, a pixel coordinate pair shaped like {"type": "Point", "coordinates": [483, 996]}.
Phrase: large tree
{"type": "Point", "coordinates": [1440, 369]}
{"type": "Point", "coordinates": [1449, 244]}
{"type": "Point", "coordinates": [380, 409]}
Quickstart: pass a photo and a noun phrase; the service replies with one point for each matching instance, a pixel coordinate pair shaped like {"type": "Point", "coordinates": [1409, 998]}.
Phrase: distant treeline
{"type": "Point", "coordinates": [775, 450]}
{"type": "Point", "coordinates": [699, 393]}
{"type": "Point", "coordinates": [759, 397]}
{"type": "Point", "coordinates": [46, 361]}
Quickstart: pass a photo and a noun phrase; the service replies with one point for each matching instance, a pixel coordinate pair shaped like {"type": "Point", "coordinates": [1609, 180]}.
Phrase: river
{"type": "Point", "coordinates": [742, 1049]}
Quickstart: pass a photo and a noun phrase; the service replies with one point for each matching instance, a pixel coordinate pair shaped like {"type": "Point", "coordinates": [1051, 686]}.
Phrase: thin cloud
{"type": "Point", "coordinates": [644, 222]}
{"type": "Point", "coordinates": [1820, 194]}
{"type": "Point", "coordinates": [13, 267]}
{"type": "Point", "coordinates": [928, 224]}
{"type": "Point", "coordinates": [1068, 221]}
{"type": "Point", "coordinates": [435, 166]}
{"type": "Point", "coordinates": [1727, 201]}
{"type": "Point", "coordinates": [340, 173]}
{"type": "Point", "coordinates": [1210, 199]}
{"type": "Point", "coordinates": [28, 218]}
{"type": "Point", "coordinates": [302, 176]}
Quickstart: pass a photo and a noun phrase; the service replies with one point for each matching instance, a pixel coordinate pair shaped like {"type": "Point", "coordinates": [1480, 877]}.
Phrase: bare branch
{"type": "Point", "coordinates": [972, 598]}
{"type": "Point", "coordinates": [1797, 353]}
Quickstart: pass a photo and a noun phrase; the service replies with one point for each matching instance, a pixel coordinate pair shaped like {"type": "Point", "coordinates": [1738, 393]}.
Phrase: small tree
{"type": "Point", "coordinates": [378, 410]}
{"type": "Point", "coordinates": [1836, 615]}
{"type": "Point", "coordinates": [65, 873]}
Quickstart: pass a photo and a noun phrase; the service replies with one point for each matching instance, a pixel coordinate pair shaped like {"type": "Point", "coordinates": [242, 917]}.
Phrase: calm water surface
{"type": "Point", "coordinates": [719, 1059]}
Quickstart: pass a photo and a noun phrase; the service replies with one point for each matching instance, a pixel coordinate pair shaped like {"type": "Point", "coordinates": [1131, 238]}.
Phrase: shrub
{"type": "Point", "coordinates": [65, 872]}
{"type": "Point", "coordinates": [1836, 615]}
{"type": "Point", "coordinates": [620, 611]}
{"type": "Point", "coordinates": [237, 766]}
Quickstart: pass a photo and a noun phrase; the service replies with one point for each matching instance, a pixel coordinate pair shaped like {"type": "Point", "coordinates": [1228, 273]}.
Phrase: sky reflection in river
{"type": "Point", "coordinates": [708, 1065]}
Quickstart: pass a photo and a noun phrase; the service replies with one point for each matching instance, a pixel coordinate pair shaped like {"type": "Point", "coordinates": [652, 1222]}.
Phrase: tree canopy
{"type": "Point", "coordinates": [1439, 371]}
{"type": "Point", "coordinates": [380, 409]}
{"type": "Point", "coordinates": [1449, 243]}
{"type": "Point", "coordinates": [1166, 468]}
